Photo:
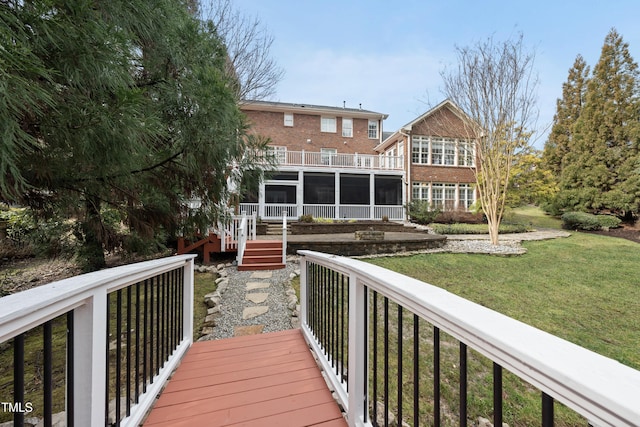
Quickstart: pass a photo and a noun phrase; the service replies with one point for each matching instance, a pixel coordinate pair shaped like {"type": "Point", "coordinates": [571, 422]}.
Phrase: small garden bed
{"type": "Point", "coordinates": [345, 227]}
{"type": "Point", "coordinates": [459, 228]}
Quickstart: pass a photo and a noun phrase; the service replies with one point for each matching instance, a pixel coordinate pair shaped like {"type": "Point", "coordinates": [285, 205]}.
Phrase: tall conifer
{"type": "Point", "coordinates": [598, 172]}
{"type": "Point", "coordinates": [568, 110]}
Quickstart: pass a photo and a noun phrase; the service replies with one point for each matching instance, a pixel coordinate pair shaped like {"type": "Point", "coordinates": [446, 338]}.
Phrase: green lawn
{"type": "Point", "coordinates": [532, 215]}
{"type": "Point", "coordinates": [583, 288]}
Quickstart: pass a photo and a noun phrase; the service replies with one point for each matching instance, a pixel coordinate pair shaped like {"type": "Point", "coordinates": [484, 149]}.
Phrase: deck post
{"type": "Point", "coordinates": [284, 237]}
{"type": "Point", "coordinates": [89, 338]}
{"type": "Point", "coordinates": [358, 350]}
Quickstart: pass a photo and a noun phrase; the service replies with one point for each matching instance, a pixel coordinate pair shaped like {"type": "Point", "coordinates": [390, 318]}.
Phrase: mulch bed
{"type": "Point", "coordinates": [628, 233]}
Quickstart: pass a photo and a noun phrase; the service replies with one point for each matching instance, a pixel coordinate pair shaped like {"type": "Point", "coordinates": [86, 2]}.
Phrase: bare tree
{"type": "Point", "coordinates": [495, 86]}
{"type": "Point", "coordinates": [248, 45]}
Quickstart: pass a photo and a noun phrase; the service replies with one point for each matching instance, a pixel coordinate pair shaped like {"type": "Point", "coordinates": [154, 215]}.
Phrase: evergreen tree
{"type": "Point", "coordinates": [601, 168]}
{"type": "Point", "coordinates": [117, 104]}
{"type": "Point", "coordinates": [568, 110]}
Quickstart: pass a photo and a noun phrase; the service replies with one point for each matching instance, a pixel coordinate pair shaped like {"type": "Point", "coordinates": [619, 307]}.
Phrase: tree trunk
{"type": "Point", "coordinates": [494, 226]}
{"type": "Point", "coordinates": [92, 252]}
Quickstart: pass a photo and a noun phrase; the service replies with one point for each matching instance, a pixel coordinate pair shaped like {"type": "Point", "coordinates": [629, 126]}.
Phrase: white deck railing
{"type": "Point", "coordinates": [339, 160]}
{"type": "Point", "coordinates": [605, 392]}
{"type": "Point", "coordinates": [86, 296]}
{"type": "Point", "coordinates": [274, 211]}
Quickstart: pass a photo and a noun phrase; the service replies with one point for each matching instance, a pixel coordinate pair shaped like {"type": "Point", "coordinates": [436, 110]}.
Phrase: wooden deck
{"type": "Point", "coordinates": [258, 380]}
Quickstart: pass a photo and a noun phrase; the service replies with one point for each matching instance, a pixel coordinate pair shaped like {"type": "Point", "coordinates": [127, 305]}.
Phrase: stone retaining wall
{"type": "Point", "coordinates": [347, 227]}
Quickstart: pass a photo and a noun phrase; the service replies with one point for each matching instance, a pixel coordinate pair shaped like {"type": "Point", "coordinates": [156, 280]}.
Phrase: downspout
{"type": "Point", "coordinates": [406, 159]}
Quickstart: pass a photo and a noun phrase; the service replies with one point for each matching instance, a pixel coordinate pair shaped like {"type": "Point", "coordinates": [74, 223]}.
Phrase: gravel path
{"type": "Point", "coordinates": [234, 301]}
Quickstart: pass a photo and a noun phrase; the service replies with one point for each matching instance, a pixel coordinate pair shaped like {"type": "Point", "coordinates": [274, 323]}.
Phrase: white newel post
{"type": "Point", "coordinates": [89, 359]}
{"type": "Point", "coordinates": [357, 352]}
{"type": "Point", "coordinates": [187, 304]}
{"type": "Point", "coordinates": [284, 237]}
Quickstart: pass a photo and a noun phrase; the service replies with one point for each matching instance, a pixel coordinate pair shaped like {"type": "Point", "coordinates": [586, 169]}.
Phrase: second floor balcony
{"type": "Point", "coordinates": [330, 159]}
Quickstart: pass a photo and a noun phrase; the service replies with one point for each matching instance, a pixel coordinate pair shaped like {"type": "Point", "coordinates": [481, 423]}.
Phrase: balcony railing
{"type": "Point", "coordinates": [338, 160]}
{"type": "Point", "coordinates": [110, 339]}
{"type": "Point", "coordinates": [274, 210]}
{"type": "Point", "coordinates": [385, 340]}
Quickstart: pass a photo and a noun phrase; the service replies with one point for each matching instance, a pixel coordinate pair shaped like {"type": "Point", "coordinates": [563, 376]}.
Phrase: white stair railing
{"type": "Point", "coordinates": [242, 238]}
{"type": "Point", "coordinates": [284, 237]}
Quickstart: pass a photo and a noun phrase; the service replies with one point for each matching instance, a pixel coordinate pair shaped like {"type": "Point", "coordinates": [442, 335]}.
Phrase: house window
{"type": "Point", "coordinates": [373, 129]}
{"type": "Point", "coordinates": [466, 153]}
{"type": "Point", "coordinates": [437, 196]}
{"type": "Point", "coordinates": [467, 196]}
{"type": "Point", "coordinates": [437, 151]}
{"type": "Point", "coordinates": [420, 191]}
{"type": "Point", "coordinates": [328, 124]}
{"type": "Point", "coordinates": [280, 153]}
{"type": "Point", "coordinates": [449, 197]}
{"type": "Point", "coordinates": [288, 119]}
{"type": "Point", "coordinates": [347, 128]}
{"type": "Point", "coordinates": [327, 155]}
{"type": "Point", "coordinates": [420, 149]}
{"type": "Point", "coordinates": [449, 152]}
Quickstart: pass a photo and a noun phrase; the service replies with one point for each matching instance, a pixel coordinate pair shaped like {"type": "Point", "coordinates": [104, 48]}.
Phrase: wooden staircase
{"type": "Point", "coordinates": [262, 255]}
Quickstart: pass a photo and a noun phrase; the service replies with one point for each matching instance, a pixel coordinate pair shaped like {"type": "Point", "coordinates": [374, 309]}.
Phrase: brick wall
{"type": "Point", "coordinates": [307, 126]}
{"type": "Point", "coordinates": [445, 174]}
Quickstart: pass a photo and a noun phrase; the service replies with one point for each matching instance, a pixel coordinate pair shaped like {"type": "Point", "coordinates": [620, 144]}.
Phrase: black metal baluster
{"type": "Point", "coordinates": [497, 394]}
{"type": "Point", "coordinates": [547, 410]}
{"type": "Point", "coordinates": [129, 325]}
{"type": "Point", "coordinates": [344, 306]}
{"type": "Point", "coordinates": [108, 359]}
{"type": "Point", "coordinates": [375, 357]}
{"type": "Point", "coordinates": [416, 370]}
{"type": "Point", "coordinates": [463, 384]}
{"type": "Point", "coordinates": [18, 377]}
{"type": "Point", "coordinates": [118, 353]}
{"type": "Point", "coordinates": [47, 338]}
{"type": "Point", "coordinates": [137, 356]}
{"type": "Point", "coordinates": [330, 300]}
{"type": "Point", "coordinates": [145, 318]}
{"type": "Point", "coordinates": [70, 376]}
{"type": "Point", "coordinates": [399, 364]}
{"type": "Point", "coordinates": [156, 337]}
{"type": "Point", "coordinates": [163, 341]}
{"type": "Point", "coordinates": [436, 376]}
{"type": "Point", "coordinates": [386, 361]}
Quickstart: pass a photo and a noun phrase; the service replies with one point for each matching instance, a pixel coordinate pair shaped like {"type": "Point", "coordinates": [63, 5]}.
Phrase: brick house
{"type": "Point", "coordinates": [328, 167]}
{"type": "Point", "coordinates": [439, 155]}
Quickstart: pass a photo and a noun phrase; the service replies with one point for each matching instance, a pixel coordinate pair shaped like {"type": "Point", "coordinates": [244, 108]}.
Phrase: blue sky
{"type": "Point", "coordinates": [388, 55]}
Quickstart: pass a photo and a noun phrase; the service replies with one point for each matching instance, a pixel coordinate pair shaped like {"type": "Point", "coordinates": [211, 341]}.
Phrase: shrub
{"type": "Point", "coordinates": [306, 218]}
{"type": "Point", "coordinates": [459, 216]}
{"type": "Point", "coordinates": [385, 218]}
{"type": "Point", "coordinates": [588, 222]}
{"type": "Point", "coordinates": [324, 220]}
{"type": "Point", "coordinates": [420, 211]}
{"type": "Point", "coordinates": [477, 228]}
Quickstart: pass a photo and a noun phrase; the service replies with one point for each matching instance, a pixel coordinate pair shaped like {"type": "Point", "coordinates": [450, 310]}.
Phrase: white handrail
{"type": "Point", "coordinates": [86, 295]}
{"type": "Point", "coordinates": [600, 389]}
{"type": "Point", "coordinates": [242, 238]}
{"type": "Point", "coordinates": [284, 237]}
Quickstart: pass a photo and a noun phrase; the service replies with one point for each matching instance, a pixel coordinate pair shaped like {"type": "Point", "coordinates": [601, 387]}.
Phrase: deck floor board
{"type": "Point", "coordinates": [259, 380]}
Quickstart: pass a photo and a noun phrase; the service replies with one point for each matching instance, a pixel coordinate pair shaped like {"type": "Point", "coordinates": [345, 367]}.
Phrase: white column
{"type": "Point", "coordinates": [261, 200]}
{"type": "Point", "coordinates": [372, 195]}
{"type": "Point", "coordinates": [300, 193]}
{"type": "Point", "coordinates": [337, 193]}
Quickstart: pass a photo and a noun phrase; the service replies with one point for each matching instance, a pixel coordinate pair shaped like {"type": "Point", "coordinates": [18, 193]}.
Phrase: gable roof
{"type": "Point", "coordinates": [447, 103]}
{"type": "Point", "coordinates": [310, 109]}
